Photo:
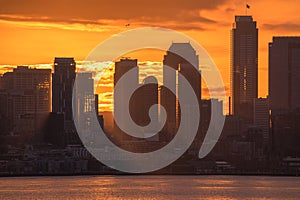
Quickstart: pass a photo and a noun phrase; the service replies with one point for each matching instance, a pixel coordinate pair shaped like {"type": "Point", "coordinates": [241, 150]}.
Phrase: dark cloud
{"type": "Point", "coordinates": [152, 64]}
{"type": "Point", "coordinates": [19, 18]}
{"type": "Point", "coordinates": [177, 25]}
{"type": "Point", "coordinates": [78, 11]}
{"type": "Point", "coordinates": [215, 90]}
{"type": "Point", "coordinates": [289, 27]}
{"type": "Point", "coordinates": [230, 10]}
{"type": "Point", "coordinates": [108, 95]}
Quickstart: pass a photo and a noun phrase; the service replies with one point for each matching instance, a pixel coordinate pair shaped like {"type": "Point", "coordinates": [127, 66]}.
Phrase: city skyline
{"type": "Point", "coordinates": [209, 24]}
{"type": "Point", "coordinates": [269, 134]}
{"type": "Point", "coordinates": [104, 87]}
{"type": "Point", "coordinates": [149, 99]}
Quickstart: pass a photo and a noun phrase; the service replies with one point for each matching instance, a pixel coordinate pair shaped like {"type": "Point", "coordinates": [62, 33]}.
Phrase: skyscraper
{"type": "Point", "coordinates": [144, 98]}
{"type": "Point", "coordinates": [182, 58]}
{"type": "Point", "coordinates": [244, 66]}
{"type": "Point", "coordinates": [284, 74]}
{"type": "Point", "coordinates": [85, 100]}
{"type": "Point", "coordinates": [140, 101]}
{"type": "Point", "coordinates": [62, 86]}
{"type": "Point", "coordinates": [63, 80]}
{"type": "Point", "coordinates": [121, 68]}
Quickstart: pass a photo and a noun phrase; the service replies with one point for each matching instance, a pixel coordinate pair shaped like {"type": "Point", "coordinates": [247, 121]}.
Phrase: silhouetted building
{"type": "Point", "coordinates": [182, 58]}
{"type": "Point", "coordinates": [233, 127]}
{"type": "Point", "coordinates": [284, 95]}
{"type": "Point", "coordinates": [255, 136]}
{"type": "Point", "coordinates": [205, 121]}
{"type": "Point", "coordinates": [284, 74]}
{"type": "Point", "coordinates": [147, 95]}
{"type": "Point", "coordinates": [244, 66]}
{"type": "Point", "coordinates": [1, 82]}
{"type": "Point", "coordinates": [101, 121]}
{"type": "Point", "coordinates": [6, 123]}
{"type": "Point", "coordinates": [121, 68]}
{"type": "Point", "coordinates": [206, 112]}
{"type": "Point", "coordinates": [26, 100]}
{"type": "Point", "coordinates": [55, 130]}
{"type": "Point", "coordinates": [100, 117]}
{"type": "Point", "coordinates": [205, 116]}
{"type": "Point", "coordinates": [63, 80]}
{"type": "Point", "coordinates": [262, 117]}
{"type": "Point", "coordinates": [229, 139]}
{"type": "Point", "coordinates": [85, 101]}
{"type": "Point", "coordinates": [62, 86]}
{"type": "Point", "coordinates": [140, 101]}
{"type": "Point", "coordinates": [285, 134]}
{"type": "Point", "coordinates": [97, 104]}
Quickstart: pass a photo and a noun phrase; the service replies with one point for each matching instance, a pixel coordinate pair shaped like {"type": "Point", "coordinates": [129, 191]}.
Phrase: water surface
{"type": "Point", "coordinates": [150, 187]}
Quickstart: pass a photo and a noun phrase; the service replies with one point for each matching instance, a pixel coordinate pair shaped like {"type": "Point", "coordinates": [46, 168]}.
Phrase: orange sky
{"type": "Point", "coordinates": [36, 31]}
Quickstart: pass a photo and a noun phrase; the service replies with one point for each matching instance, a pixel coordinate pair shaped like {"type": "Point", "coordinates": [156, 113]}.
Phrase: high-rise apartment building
{"type": "Point", "coordinates": [284, 74]}
{"type": "Point", "coordinates": [27, 98]}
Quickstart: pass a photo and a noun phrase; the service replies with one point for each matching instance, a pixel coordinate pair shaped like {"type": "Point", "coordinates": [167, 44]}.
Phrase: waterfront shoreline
{"type": "Point", "coordinates": [152, 174]}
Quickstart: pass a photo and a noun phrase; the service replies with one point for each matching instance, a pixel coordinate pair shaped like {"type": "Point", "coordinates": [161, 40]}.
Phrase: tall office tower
{"type": "Point", "coordinates": [284, 74]}
{"type": "Point", "coordinates": [244, 66]}
{"type": "Point", "coordinates": [261, 117]}
{"type": "Point", "coordinates": [122, 67]}
{"type": "Point", "coordinates": [182, 58]}
{"type": "Point", "coordinates": [85, 100]}
{"type": "Point", "coordinates": [27, 98]}
{"type": "Point", "coordinates": [62, 86]}
{"type": "Point", "coordinates": [63, 80]}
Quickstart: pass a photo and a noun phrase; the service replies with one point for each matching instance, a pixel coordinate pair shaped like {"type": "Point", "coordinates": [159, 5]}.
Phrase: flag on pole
{"type": "Point", "coordinates": [248, 6]}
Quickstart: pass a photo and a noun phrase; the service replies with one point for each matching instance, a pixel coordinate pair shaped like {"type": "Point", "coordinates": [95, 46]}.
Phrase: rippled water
{"type": "Point", "coordinates": [150, 187]}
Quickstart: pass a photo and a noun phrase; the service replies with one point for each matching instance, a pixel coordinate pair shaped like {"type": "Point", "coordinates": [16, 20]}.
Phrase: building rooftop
{"type": "Point", "coordinates": [63, 60]}
{"type": "Point", "coordinates": [243, 18]}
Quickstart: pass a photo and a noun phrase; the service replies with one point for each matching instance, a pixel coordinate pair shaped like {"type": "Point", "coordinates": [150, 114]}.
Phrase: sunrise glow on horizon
{"type": "Point", "coordinates": [33, 33]}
